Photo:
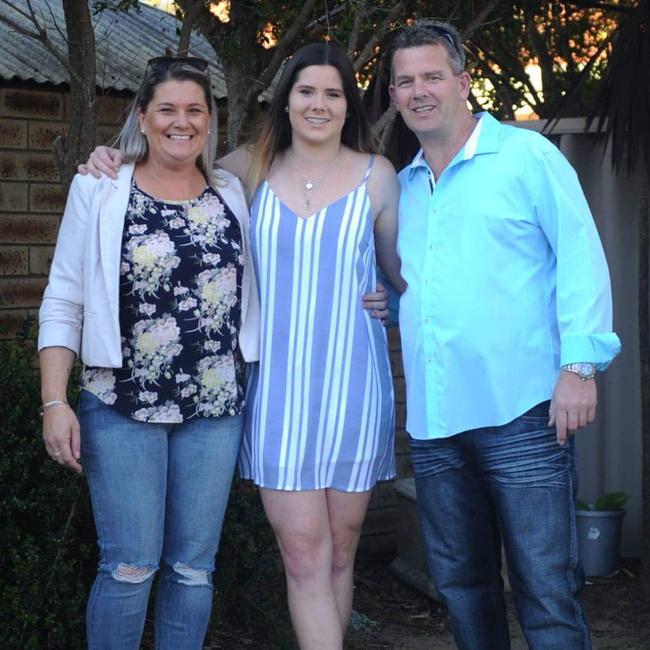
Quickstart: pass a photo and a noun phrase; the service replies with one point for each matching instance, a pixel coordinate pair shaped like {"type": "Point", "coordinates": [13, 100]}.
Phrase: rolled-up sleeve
{"type": "Point", "coordinates": [583, 290]}
{"type": "Point", "coordinates": [61, 312]}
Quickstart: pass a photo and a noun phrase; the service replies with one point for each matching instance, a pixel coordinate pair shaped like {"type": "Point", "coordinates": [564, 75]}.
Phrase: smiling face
{"type": "Point", "coordinates": [430, 97]}
{"type": "Point", "coordinates": [176, 123]}
{"type": "Point", "coordinates": [317, 104]}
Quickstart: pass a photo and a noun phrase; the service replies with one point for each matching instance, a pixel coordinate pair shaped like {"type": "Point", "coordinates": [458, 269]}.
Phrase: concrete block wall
{"type": "Point", "coordinates": [31, 196]}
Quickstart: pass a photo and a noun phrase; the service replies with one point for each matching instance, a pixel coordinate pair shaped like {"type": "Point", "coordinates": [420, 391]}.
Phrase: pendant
{"type": "Point", "coordinates": [309, 185]}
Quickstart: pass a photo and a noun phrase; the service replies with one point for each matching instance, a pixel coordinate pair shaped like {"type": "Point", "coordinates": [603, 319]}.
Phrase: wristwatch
{"type": "Point", "coordinates": [584, 370]}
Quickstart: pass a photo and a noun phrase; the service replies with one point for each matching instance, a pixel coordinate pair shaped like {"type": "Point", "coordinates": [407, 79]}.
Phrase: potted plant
{"type": "Point", "coordinates": [599, 533]}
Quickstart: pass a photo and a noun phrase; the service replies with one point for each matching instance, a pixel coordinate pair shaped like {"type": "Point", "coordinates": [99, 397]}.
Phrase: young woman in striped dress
{"type": "Point", "coordinates": [319, 417]}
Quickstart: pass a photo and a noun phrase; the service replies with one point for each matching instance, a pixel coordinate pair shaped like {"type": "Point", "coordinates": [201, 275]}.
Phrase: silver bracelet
{"type": "Point", "coordinates": [47, 405]}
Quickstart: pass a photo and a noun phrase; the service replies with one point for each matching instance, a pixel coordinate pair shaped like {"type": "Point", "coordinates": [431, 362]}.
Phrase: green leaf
{"type": "Point", "coordinates": [582, 505]}
{"type": "Point", "coordinates": [611, 501]}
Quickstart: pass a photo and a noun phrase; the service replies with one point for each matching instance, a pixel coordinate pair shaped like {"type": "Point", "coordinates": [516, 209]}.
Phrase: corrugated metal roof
{"type": "Point", "coordinates": [124, 43]}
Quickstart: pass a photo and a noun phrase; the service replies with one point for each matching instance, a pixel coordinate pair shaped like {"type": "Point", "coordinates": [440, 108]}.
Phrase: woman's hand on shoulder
{"type": "Point", "coordinates": [237, 162]}
{"type": "Point", "coordinates": [103, 160]}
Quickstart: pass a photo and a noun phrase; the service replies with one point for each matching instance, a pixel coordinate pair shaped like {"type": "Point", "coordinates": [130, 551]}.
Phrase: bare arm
{"type": "Point", "coordinates": [237, 162]}
{"type": "Point", "coordinates": [383, 190]}
{"type": "Point", "coordinates": [60, 424]}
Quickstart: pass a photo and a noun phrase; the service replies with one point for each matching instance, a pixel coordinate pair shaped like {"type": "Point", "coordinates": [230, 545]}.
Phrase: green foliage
{"type": "Point", "coordinates": [611, 501]}
{"type": "Point", "coordinates": [249, 581]}
{"type": "Point", "coordinates": [46, 538]}
{"type": "Point", "coordinates": [607, 502]}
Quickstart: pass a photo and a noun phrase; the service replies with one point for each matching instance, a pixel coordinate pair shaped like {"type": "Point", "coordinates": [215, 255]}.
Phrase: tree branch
{"type": "Point", "coordinates": [479, 19]}
{"type": "Point", "coordinates": [39, 34]}
{"type": "Point", "coordinates": [369, 49]}
{"type": "Point", "coordinates": [601, 5]}
{"type": "Point", "coordinates": [386, 119]}
{"type": "Point", "coordinates": [329, 14]}
{"type": "Point", "coordinates": [387, 129]}
{"type": "Point", "coordinates": [353, 39]}
{"type": "Point", "coordinates": [189, 19]}
{"type": "Point", "coordinates": [504, 93]}
{"type": "Point", "coordinates": [281, 52]}
{"type": "Point", "coordinates": [506, 71]}
{"type": "Point", "coordinates": [208, 24]}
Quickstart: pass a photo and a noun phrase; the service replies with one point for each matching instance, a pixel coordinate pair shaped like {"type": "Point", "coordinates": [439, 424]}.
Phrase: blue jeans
{"type": "Point", "coordinates": [512, 483]}
{"type": "Point", "coordinates": [159, 493]}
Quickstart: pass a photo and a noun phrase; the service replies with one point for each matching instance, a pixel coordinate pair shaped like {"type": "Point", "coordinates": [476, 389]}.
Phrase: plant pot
{"type": "Point", "coordinates": [599, 540]}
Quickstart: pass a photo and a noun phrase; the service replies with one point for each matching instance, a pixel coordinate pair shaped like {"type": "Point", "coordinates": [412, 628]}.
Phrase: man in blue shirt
{"type": "Point", "coordinates": [505, 321]}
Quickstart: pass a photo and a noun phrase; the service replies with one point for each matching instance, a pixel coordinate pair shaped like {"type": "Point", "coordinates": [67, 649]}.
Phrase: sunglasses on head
{"type": "Point", "coordinates": [439, 30]}
{"type": "Point", "coordinates": [162, 63]}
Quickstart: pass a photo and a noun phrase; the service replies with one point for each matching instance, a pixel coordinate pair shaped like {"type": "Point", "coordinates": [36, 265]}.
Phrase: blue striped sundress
{"type": "Point", "coordinates": [320, 407]}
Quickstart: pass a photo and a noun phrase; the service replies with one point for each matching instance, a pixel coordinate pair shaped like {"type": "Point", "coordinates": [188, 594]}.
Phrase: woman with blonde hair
{"type": "Point", "coordinates": [152, 285]}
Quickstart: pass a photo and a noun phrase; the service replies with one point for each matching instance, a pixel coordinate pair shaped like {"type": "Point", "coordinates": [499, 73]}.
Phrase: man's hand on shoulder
{"type": "Point", "coordinates": [573, 405]}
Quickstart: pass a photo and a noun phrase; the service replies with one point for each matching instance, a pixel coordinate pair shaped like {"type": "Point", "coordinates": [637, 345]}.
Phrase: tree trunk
{"type": "Point", "coordinates": [80, 139]}
{"type": "Point", "coordinates": [644, 351]}
{"type": "Point", "coordinates": [241, 119]}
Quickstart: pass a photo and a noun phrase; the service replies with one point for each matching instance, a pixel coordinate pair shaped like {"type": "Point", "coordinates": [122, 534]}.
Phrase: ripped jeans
{"type": "Point", "coordinates": [159, 493]}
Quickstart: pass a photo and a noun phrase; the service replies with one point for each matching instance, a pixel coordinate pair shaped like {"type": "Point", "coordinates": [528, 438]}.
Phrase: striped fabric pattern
{"type": "Point", "coordinates": [320, 409]}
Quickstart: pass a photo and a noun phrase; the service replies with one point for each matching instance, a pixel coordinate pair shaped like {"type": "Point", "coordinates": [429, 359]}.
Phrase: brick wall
{"type": "Point", "coordinates": [31, 197]}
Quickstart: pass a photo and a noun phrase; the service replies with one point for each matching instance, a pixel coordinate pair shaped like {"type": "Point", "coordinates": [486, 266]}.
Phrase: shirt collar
{"type": "Point", "coordinates": [484, 138]}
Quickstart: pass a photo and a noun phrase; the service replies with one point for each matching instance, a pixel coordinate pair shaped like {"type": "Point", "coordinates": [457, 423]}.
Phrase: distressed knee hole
{"type": "Point", "coordinates": [129, 573]}
{"type": "Point", "coordinates": [191, 577]}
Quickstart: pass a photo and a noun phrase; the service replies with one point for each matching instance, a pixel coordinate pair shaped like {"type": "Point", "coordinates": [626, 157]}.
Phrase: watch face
{"type": "Point", "coordinates": [584, 369]}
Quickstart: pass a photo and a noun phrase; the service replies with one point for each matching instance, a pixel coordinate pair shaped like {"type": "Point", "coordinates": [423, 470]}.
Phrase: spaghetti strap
{"type": "Point", "coordinates": [369, 169]}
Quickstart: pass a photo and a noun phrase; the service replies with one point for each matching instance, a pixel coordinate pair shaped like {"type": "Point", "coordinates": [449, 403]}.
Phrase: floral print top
{"type": "Point", "coordinates": [180, 291]}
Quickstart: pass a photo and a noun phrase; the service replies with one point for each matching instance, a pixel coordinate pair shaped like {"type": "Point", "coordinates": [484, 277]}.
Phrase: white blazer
{"type": "Point", "coordinates": [81, 301]}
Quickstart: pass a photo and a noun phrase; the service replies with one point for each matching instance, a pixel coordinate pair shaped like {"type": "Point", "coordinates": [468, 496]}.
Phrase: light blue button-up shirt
{"type": "Point", "coordinates": [507, 280]}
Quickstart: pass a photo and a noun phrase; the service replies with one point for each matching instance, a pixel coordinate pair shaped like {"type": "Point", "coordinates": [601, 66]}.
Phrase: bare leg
{"type": "Point", "coordinates": [302, 527]}
{"type": "Point", "coordinates": [346, 513]}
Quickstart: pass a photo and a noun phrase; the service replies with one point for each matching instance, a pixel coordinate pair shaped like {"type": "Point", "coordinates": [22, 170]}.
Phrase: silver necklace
{"type": "Point", "coordinates": [308, 186]}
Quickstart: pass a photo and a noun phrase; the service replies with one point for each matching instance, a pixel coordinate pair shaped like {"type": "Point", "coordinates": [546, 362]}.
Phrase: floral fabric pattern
{"type": "Point", "coordinates": [150, 260]}
{"type": "Point", "coordinates": [180, 290]}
